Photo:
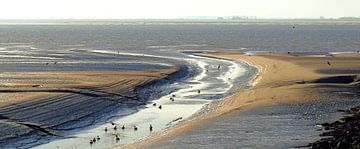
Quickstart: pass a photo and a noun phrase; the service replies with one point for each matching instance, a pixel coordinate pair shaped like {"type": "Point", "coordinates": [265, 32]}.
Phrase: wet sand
{"type": "Point", "coordinates": [37, 106]}
{"type": "Point", "coordinates": [283, 79]}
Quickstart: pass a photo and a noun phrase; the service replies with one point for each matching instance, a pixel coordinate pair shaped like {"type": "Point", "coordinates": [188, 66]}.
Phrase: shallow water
{"type": "Point", "coordinates": [282, 126]}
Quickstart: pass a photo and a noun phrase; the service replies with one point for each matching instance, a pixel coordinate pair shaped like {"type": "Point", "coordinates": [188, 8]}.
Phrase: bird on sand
{"type": "Point", "coordinates": [117, 138]}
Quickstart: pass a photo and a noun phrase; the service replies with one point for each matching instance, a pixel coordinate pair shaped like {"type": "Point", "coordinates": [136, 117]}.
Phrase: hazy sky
{"type": "Point", "coordinates": [122, 9]}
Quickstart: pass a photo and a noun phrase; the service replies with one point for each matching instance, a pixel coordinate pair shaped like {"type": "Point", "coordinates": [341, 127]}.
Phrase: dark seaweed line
{"type": "Point", "coordinates": [341, 134]}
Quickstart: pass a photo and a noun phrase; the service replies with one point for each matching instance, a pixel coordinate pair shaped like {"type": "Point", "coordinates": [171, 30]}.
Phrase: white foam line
{"type": "Point", "coordinates": [176, 46]}
{"type": "Point", "coordinates": [23, 56]}
{"type": "Point", "coordinates": [13, 43]}
{"type": "Point", "coordinates": [139, 55]}
{"type": "Point", "coordinates": [348, 52]}
{"type": "Point", "coordinates": [73, 45]}
{"type": "Point", "coordinates": [257, 77]}
{"type": "Point", "coordinates": [12, 51]}
{"type": "Point", "coordinates": [230, 75]}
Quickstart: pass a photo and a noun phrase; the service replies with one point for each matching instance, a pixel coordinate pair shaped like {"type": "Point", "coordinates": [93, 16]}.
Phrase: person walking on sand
{"type": "Point", "coordinates": [123, 127]}
{"type": "Point", "coordinates": [151, 128]}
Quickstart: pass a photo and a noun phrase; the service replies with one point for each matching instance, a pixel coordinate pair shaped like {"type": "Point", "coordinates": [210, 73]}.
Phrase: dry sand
{"type": "Point", "coordinates": [283, 78]}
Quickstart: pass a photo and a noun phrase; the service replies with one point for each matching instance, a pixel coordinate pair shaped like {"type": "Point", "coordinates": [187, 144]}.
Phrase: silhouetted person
{"type": "Point", "coordinates": [328, 63]}
{"type": "Point", "coordinates": [154, 104]}
{"type": "Point", "coordinates": [115, 128]}
{"type": "Point", "coordinates": [117, 138]}
{"type": "Point", "coordinates": [98, 138]}
{"type": "Point", "coordinates": [135, 128]}
{"type": "Point", "coordinates": [91, 142]}
{"type": "Point", "coordinates": [198, 91]}
{"type": "Point", "coordinates": [94, 140]}
{"type": "Point", "coordinates": [160, 107]}
{"type": "Point", "coordinates": [151, 127]}
{"type": "Point", "coordinates": [105, 129]}
{"type": "Point", "coordinates": [219, 67]}
{"type": "Point", "coordinates": [112, 123]}
{"type": "Point", "coordinates": [123, 127]}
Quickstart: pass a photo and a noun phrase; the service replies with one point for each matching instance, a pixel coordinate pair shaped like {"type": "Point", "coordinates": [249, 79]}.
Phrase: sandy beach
{"type": "Point", "coordinates": [283, 78]}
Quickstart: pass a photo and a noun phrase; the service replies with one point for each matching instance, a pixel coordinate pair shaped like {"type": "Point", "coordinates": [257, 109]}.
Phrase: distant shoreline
{"type": "Point", "coordinates": [342, 21]}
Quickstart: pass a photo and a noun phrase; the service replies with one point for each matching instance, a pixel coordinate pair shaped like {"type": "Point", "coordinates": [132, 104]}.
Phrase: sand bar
{"type": "Point", "coordinates": [283, 78]}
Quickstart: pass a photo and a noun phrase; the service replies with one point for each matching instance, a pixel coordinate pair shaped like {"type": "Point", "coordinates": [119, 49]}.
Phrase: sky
{"type": "Point", "coordinates": [141, 9]}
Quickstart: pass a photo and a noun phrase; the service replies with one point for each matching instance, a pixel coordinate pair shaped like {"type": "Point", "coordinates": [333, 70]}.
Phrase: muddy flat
{"type": "Point", "coordinates": [38, 105]}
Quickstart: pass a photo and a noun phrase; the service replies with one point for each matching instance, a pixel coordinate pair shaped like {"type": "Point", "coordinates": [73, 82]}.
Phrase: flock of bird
{"type": "Point", "coordinates": [117, 138]}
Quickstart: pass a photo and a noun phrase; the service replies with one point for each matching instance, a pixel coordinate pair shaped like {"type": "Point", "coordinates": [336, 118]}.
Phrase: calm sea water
{"type": "Point", "coordinates": [145, 37]}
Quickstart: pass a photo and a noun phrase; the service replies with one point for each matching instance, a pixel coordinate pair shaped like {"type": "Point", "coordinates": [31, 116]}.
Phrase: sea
{"type": "Point", "coordinates": [27, 46]}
